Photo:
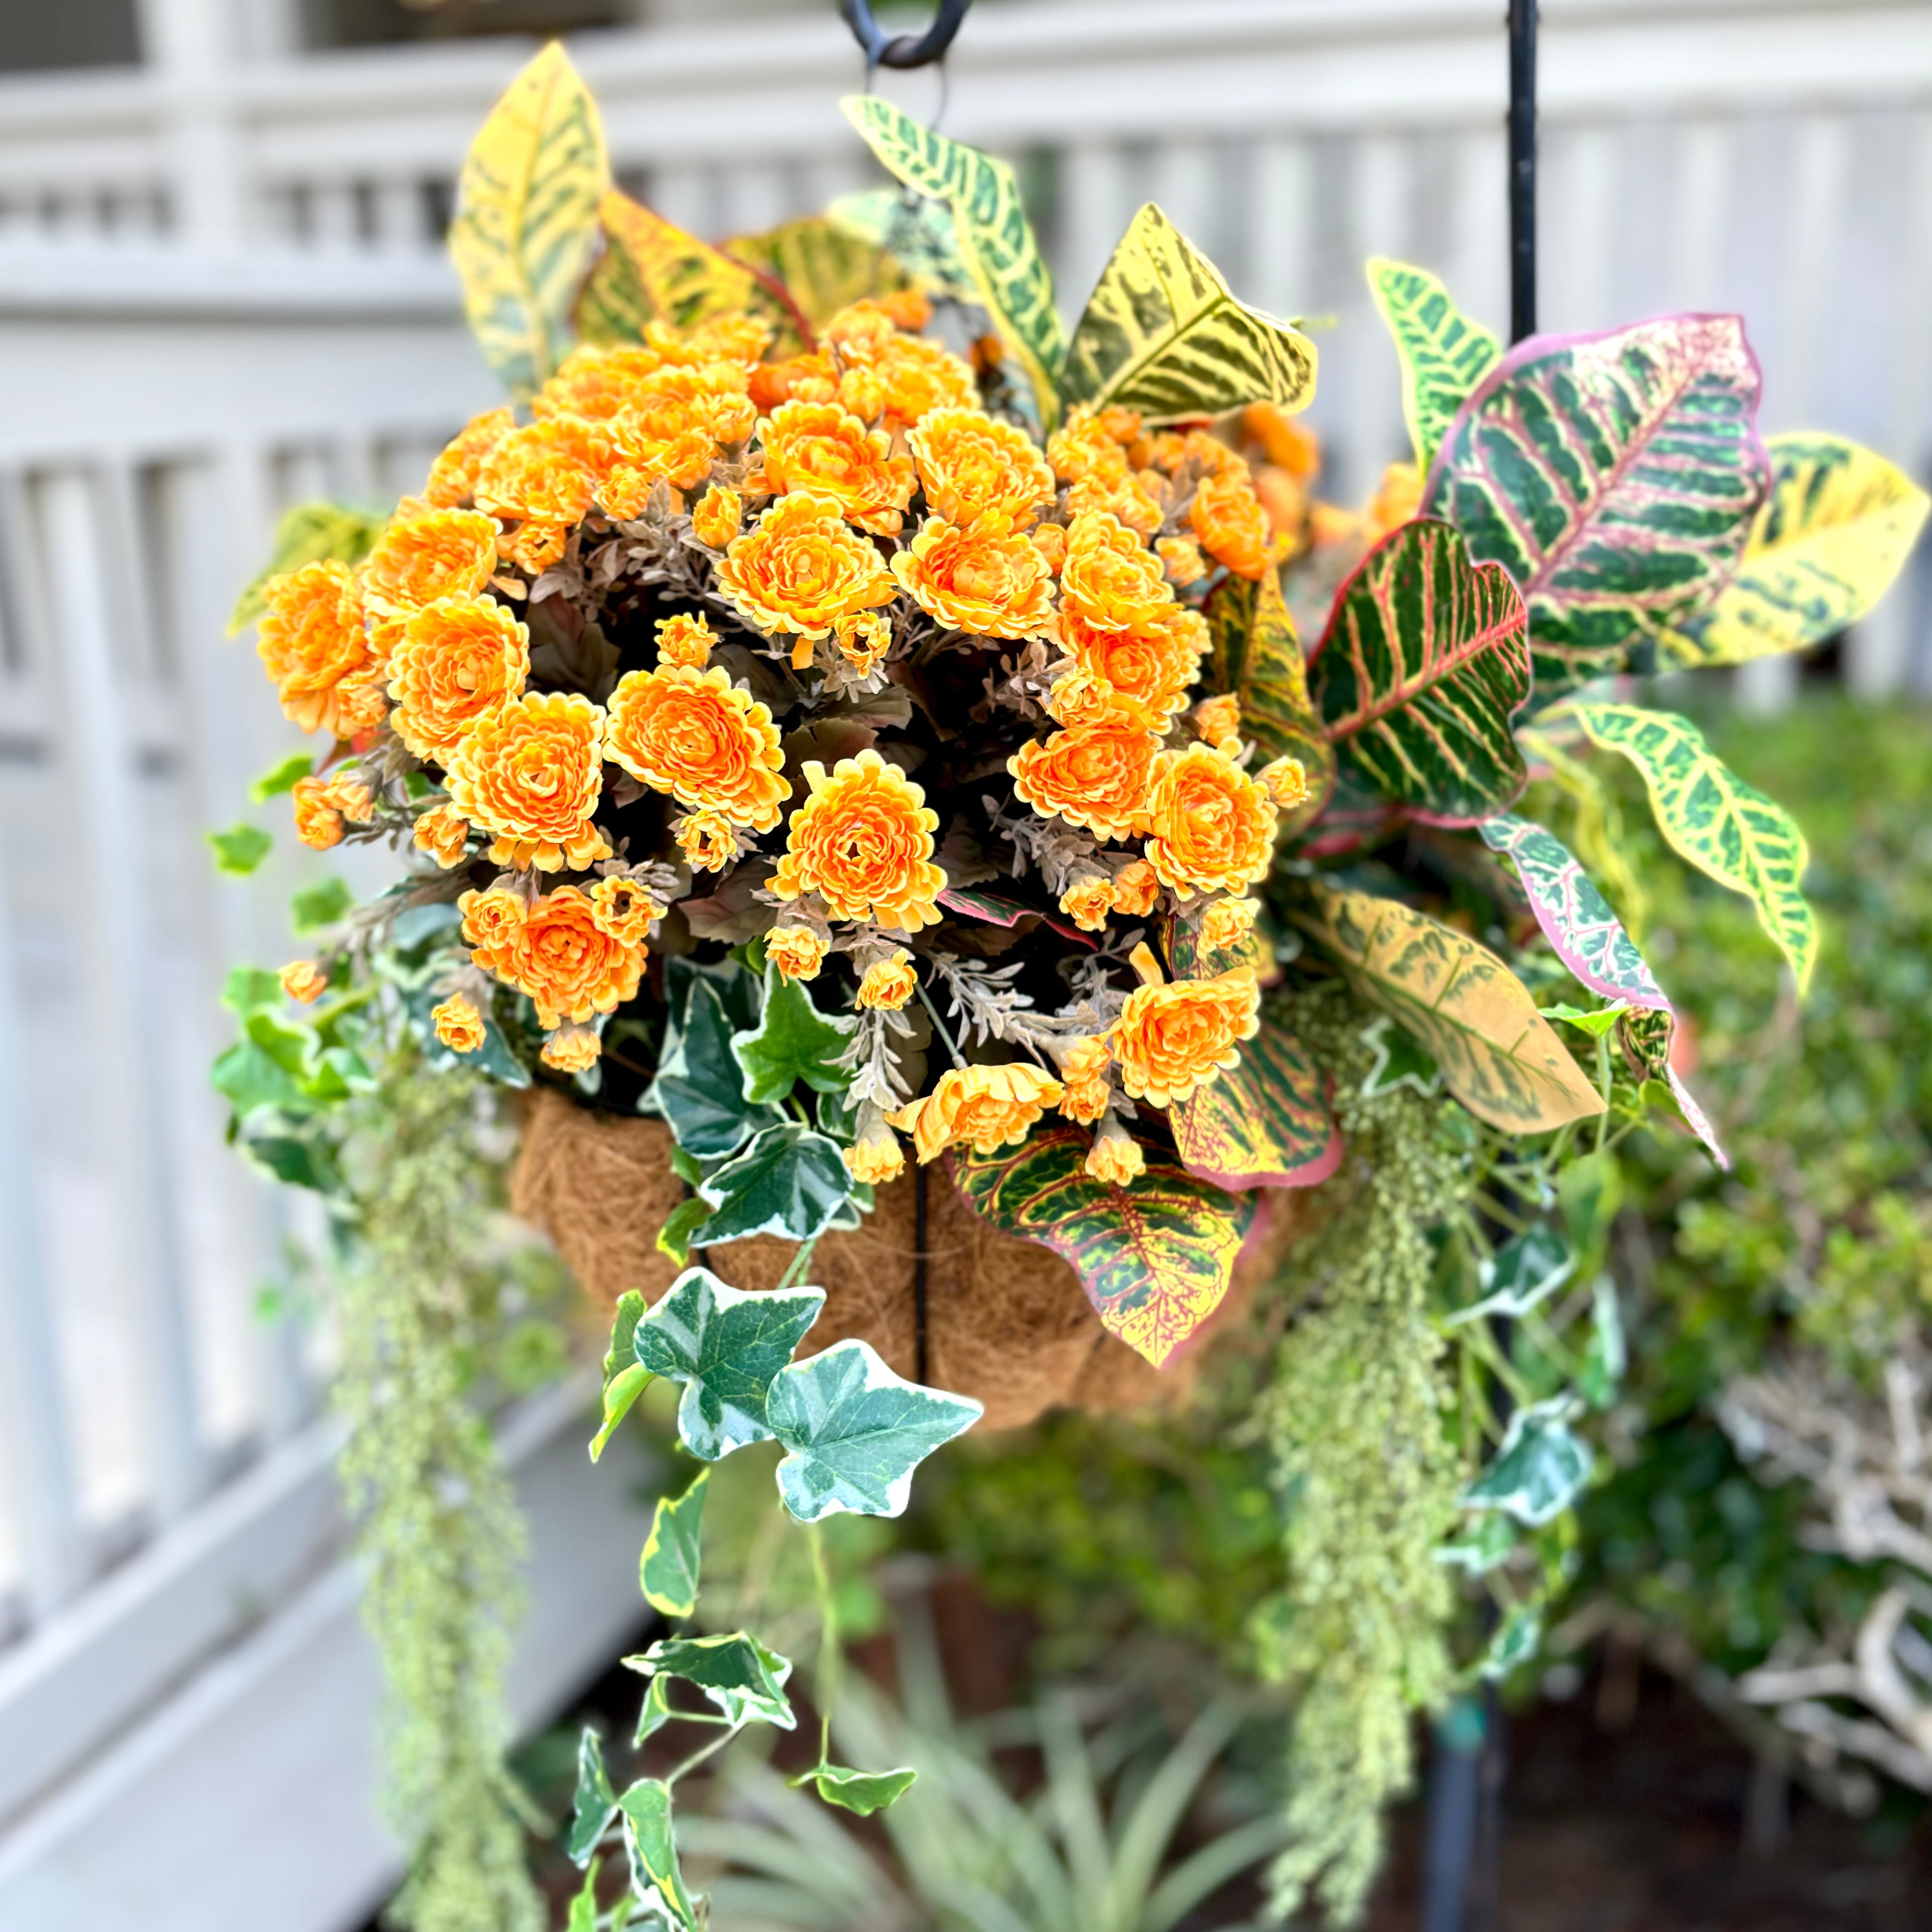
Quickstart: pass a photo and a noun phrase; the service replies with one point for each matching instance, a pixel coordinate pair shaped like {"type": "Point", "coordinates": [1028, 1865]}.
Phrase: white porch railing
{"type": "Point", "coordinates": [220, 290]}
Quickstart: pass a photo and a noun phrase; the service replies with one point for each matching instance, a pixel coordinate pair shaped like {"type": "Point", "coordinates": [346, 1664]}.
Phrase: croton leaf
{"type": "Point", "coordinates": [649, 1839]}
{"type": "Point", "coordinates": [1615, 477]}
{"type": "Point", "coordinates": [792, 1041]}
{"type": "Point", "coordinates": [856, 1432]}
{"type": "Point", "coordinates": [994, 237]}
{"type": "Point", "coordinates": [1155, 1257]}
{"type": "Point", "coordinates": [1264, 1124]}
{"type": "Point", "coordinates": [1835, 530]}
{"type": "Point", "coordinates": [596, 1801]}
{"type": "Point", "coordinates": [1499, 1055]}
{"type": "Point", "coordinates": [526, 218]}
{"type": "Point", "coordinates": [1725, 828]}
{"type": "Point", "coordinates": [668, 1568]}
{"type": "Point", "coordinates": [917, 232]}
{"type": "Point", "coordinates": [1162, 333]}
{"type": "Point", "coordinates": [821, 264]}
{"type": "Point", "coordinates": [700, 1088]}
{"type": "Point", "coordinates": [1645, 1036]}
{"type": "Point", "coordinates": [1425, 661]}
{"type": "Point", "coordinates": [735, 1672]}
{"type": "Point", "coordinates": [312, 533]}
{"type": "Point", "coordinates": [1540, 1469]}
{"type": "Point", "coordinates": [725, 1346]}
{"type": "Point", "coordinates": [1254, 654]}
{"type": "Point", "coordinates": [790, 1182]}
{"type": "Point", "coordinates": [1444, 355]}
{"type": "Point", "coordinates": [864, 1792]}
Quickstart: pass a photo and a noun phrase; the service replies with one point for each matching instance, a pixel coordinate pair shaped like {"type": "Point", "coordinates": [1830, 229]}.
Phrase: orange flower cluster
{"type": "Point", "coordinates": [556, 950]}
{"type": "Point", "coordinates": [863, 843]}
{"type": "Point", "coordinates": [690, 733]}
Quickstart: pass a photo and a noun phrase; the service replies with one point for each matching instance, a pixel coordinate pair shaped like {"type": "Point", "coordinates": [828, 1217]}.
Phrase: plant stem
{"type": "Point", "coordinates": [939, 1026]}
{"type": "Point", "coordinates": [698, 1757]}
{"type": "Point", "coordinates": [828, 1655]}
{"type": "Point", "coordinates": [800, 1262]}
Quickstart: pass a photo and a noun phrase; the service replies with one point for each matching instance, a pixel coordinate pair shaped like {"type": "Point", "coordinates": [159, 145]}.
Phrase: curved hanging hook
{"type": "Point", "coordinates": [903, 50]}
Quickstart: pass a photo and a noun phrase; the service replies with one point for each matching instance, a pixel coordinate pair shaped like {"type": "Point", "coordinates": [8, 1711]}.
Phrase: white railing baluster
{"type": "Point", "coordinates": [1281, 226]}
{"type": "Point", "coordinates": [1095, 205]}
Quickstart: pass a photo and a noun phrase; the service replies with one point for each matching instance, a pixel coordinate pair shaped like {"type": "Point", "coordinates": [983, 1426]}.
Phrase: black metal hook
{"type": "Point", "coordinates": [903, 50]}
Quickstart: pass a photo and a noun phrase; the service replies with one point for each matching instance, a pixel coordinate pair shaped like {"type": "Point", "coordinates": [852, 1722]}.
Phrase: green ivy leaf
{"type": "Point", "coordinates": [735, 1672]}
{"type": "Point", "coordinates": [596, 1801]}
{"type": "Point", "coordinates": [1606, 1356]}
{"type": "Point", "coordinates": [316, 533]}
{"type": "Point", "coordinates": [320, 905]}
{"type": "Point", "coordinates": [656, 1712]}
{"type": "Point", "coordinates": [1487, 1545]}
{"type": "Point", "coordinates": [239, 850]}
{"type": "Point", "coordinates": [1539, 1470]}
{"type": "Point", "coordinates": [1597, 1022]}
{"type": "Point", "coordinates": [253, 1081]}
{"type": "Point", "coordinates": [248, 989]}
{"type": "Point", "coordinates": [1528, 1270]}
{"type": "Point", "coordinates": [683, 1221]}
{"type": "Point", "coordinates": [620, 1393]}
{"type": "Point", "coordinates": [856, 1432]}
{"type": "Point", "coordinates": [624, 1318]}
{"type": "Point", "coordinates": [583, 1902]}
{"type": "Point", "coordinates": [282, 778]}
{"type": "Point", "coordinates": [700, 1088]}
{"type": "Point", "coordinates": [1444, 355]}
{"type": "Point", "coordinates": [652, 1845]}
{"type": "Point", "coordinates": [1517, 1640]}
{"type": "Point", "coordinates": [725, 1346]}
{"type": "Point", "coordinates": [864, 1792]}
{"type": "Point", "coordinates": [790, 1181]}
{"type": "Point", "coordinates": [668, 1570]}
{"type": "Point", "coordinates": [792, 1041]}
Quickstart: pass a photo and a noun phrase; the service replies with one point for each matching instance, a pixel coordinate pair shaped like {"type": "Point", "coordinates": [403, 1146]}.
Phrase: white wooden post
{"type": "Point", "coordinates": [190, 47]}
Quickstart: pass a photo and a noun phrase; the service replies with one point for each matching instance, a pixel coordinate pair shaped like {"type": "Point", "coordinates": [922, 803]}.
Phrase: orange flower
{"type": "Point", "coordinates": [417, 559]}
{"type": "Point", "coordinates": [555, 952]}
{"type": "Point", "coordinates": [811, 379]}
{"type": "Point", "coordinates": [987, 1107]}
{"type": "Point", "coordinates": [623, 911]}
{"type": "Point", "coordinates": [1218, 719]}
{"type": "Point", "coordinates": [865, 641]}
{"type": "Point", "coordinates": [529, 773]}
{"type": "Point", "coordinates": [1082, 447]}
{"type": "Point", "coordinates": [671, 432]}
{"type": "Point", "coordinates": [819, 447]}
{"type": "Point", "coordinates": [876, 1158]}
{"type": "Point", "coordinates": [862, 330]}
{"type": "Point", "coordinates": [493, 923]}
{"type": "Point", "coordinates": [1093, 773]}
{"type": "Point", "coordinates": [444, 834]}
{"type": "Point", "coordinates": [799, 569]}
{"type": "Point", "coordinates": [916, 377]}
{"type": "Point", "coordinates": [1083, 1063]}
{"type": "Point", "coordinates": [456, 659]}
{"type": "Point", "coordinates": [1050, 540]}
{"type": "Point", "coordinates": [862, 841]}
{"type": "Point", "coordinates": [547, 472]}
{"type": "Point", "coordinates": [1285, 781]}
{"type": "Point", "coordinates": [978, 581]}
{"type": "Point", "coordinates": [318, 822]}
{"type": "Point", "coordinates": [1110, 577]}
{"type": "Point", "coordinates": [1396, 501]}
{"type": "Point", "coordinates": [1134, 889]}
{"type": "Point", "coordinates": [352, 797]}
{"type": "Point", "coordinates": [1228, 517]}
{"type": "Point", "coordinates": [742, 339]}
{"type": "Point", "coordinates": [1115, 1156]}
{"type": "Point", "coordinates": [1285, 500]}
{"type": "Point", "coordinates": [887, 984]}
{"type": "Point", "coordinates": [978, 472]}
{"type": "Point", "coordinates": [796, 951]}
{"type": "Point", "coordinates": [1287, 442]}
{"type": "Point", "coordinates": [1088, 902]}
{"type": "Point", "coordinates": [458, 1025]}
{"type": "Point", "coordinates": [690, 733]}
{"type": "Point", "coordinates": [1227, 922]}
{"type": "Point", "coordinates": [1210, 828]}
{"type": "Point", "coordinates": [718, 516]}
{"type": "Point", "coordinates": [861, 394]}
{"type": "Point", "coordinates": [362, 701]}
{"type": "Point", "coordinates": [311, 638]}
{"type": "Point", "coordinates": [304, 981]}
{"type": "Point", "coordinates": [452, 476]}
{"type": "Point", "coordinates": [597, 383]}
{"type": "Point", "coordinates": [1180, 557]}
{"type": "Point", "coordinates": [1150, 664]}
{"type": "Point", "coordinates": [573, 1050]}
{"type": "Point", "coordinates": [685, 640]}
{"type": "Point", "coordinates": [1121, 493]}
{"type": "Point", "coordinates": [1170, 1040]}
{"type": "Point", "coordinates": [708, 839]}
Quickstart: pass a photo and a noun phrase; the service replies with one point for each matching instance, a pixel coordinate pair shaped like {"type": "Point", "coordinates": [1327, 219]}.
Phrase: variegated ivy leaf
{"type": "Point", "coordinates": [699, 1087]}
{"type": "Point", "coordinates": [526, 218]}
{"type": "Point", "coordinates": [596, 1801]}
{"type": "Point", "coordinates": [1725, 828]}
{"type": "Point", "coordinates": [656, 1877]}
{"type": "Point", "coordinates": [1836, 529]}
{"type": "Point", "coordinates": [792, 1041]}
{"type": "Point", "coordinates": [668, 1570]}
{"type": "Point", "coordinates": [821, 264]}
{"type": "Point", "coordinates": [1616, 478]}
{"type": "Point", "coordinates": [1425, 661]}
{"type": "Point", "coordinates": [856, 1432]}
{"type": "Point", "coordinates": [1528, 1270]}
{"type": "Point", "coordinates": [995, 239]}
{"type": "Point", "coordinates": [863, 1791]}
{"type": "Point", "coordinates": [1499, 1055]}
{"type": "Point", "coordinates": [725, 1346]}
{"type": "Point", "coordinates": [1163, 333]}
{"type": "Point", "coordinates": [917, 233]}
{"type": "Point", "coordinates": [582, 1916]}
{"type": "Point", "coordinates": [1155, 1257]}
{"type": "Point", "coordinates": [1517, 1640]}
{"type": "Point", "coordinates": [790, 1181]}
{"type": "Point", "coordinates": [735, 1672]}
{"type": "Point", "coordinates": [1539, 1470]}
{"type": "Point", "coordinates": [1264, 1124]}
{"type": "Point", "coordinates": [1444, 355]}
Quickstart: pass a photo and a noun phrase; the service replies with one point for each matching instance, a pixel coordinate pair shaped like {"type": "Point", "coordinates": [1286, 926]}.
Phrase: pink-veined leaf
{"type": "Point", "coordinates": [1264, 1124]}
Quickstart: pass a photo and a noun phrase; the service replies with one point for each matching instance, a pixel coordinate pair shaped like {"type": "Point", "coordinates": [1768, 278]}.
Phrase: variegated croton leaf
{"type": "Point", "coordinates": [1444, 355]}
{"type": "Point", "coordinates": [1425, 661]}
{"type": "Point", "coordinates": [1155, 1259]}
{"type": "Point", "coordinates": [820, 264]}
{"type": "Point", "coordinates": [1615, 477]}
{"type": "Point", "coordinates": [1645, 1034]}
{"type": "Point", "coordinates": [1264, 1124]}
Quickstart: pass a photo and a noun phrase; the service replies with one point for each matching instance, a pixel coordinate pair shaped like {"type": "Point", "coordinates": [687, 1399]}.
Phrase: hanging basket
{"type": "Point", "coordinates": [1006, 1321]}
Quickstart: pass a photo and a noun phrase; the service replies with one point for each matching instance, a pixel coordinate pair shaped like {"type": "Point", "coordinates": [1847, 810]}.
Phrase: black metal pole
{"type": "Point", "coordinates": [1522, 168]}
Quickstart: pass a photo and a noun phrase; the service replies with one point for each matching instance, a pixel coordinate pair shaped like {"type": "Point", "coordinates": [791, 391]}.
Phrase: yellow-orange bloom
{"type": "Point", "coordinates": [1210, 828]}
{"type": "Point", "coordinates": [986, 1108]}
{"type": "Point", "coordinates": [978, 581]}
{"type": "Point", "coordinates": [742, 339]}
{"type": "Point", "coordinates": [452, 476]}
{"type": "Point", "coordinates": [1285, 781]}
{"type": "Point", "coordinates": [311, 638]}
{"type": "Point", "coordinates": [876, 1159]}
{"type": "Point", "coordinates": [529, 773]}
{"type": "Point", "coordinates": [456, 659]}
{"type": "Point", "coordinates": [916, 377]}
{"type": "Point", "coordinates": [623, 910]}
{"type": "Point", "coordinates": [1218, 719]}
{"type": "Point", "coordinates": [799, 569]}
{"type": "Point", "coordinates": [979, 473]}
{"type": "Point", "coordinates": [417, 559]}
{"type": "Point", "coordinates": [352, 797]}
{"type": "Point", "coordinates": [1082, 447]}
{"type": "Point", "coordinates": [1169, 1040]}
{"type": "Point", "coordinates": [796, 951]}
{"type": "Point", "coordinates": [1227, 517]}
{"type": "Point", "coordinates": [318, 822]}
{"type": "Point", "coordinates": [718, 516]}
{"type": "Point", "coordinates": [862, 330]}
{"type": "Point", "coordinates": [573, 1050]}
{"type": "Point", "coordinates": [708, 839]}
{"type": "Point", "coordinates": [862, 841]}
{"type": "Point", "coordinates": [1050, 540]}
{"type": "Point", "coordinates": [690, 734]}
{"type": "Point", "coordinates": [547, 471]}
{"type": "Point", "coordinates": [671, 432]}
{"type": "Point", "coordinates": [1396, 501]}
{"type": "Point", "coordinates": [458, 1024]}
{"type": "Point", "coordinates": [1287, 442]}
{"type": "Point", "coordinates": [1119, 492]}
{"type": "Point", "coordinates": [684, 639]}
{"type": "Point", "coordinates": [820, 448]}
{"type": "Point", "coordinates": [555, 952]}
{"type": "Point", "coordinates": [864, 640]}
{"type": "Point", "coordinates": [1227, 922]}
{"type": "Point", "coordinates": [861, 394]}
{"type": "Point", "coordinates": [303, 980]}
{"type": "Point", "coordinates": [597, 383]}
{"type": "Point", "coordinates": [493, 921]}
{"type": "Point", "coordinates": [811, 379]}
{"type": "Point", "coordinates": [1110, 577]}
{"type": "Point", "coordinates": [444, 834]}
{"type": "Point", "coordinates": [1180, 557]}
{"type": "Point", "coordinates": [1150, 664]}
{"type": "Point", "coordinates": [1134, 889]}
{"type": "Point", "coordinates": [1083, 1065]}
{"type": "Point", "coordinates": [1115, 1157]}
{"type": "Point", "coordinates": [888, 983]}
{"type": "Point", "coordinates": [1094, 773]}
{"type": "Point", "coordinates": [1088, 902]}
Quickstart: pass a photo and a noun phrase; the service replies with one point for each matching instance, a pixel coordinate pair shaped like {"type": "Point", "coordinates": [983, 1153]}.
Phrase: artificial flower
{"type": "Point", "coordinates": [458, 1024]}
{"type": "Point", "coordinates": [572, 1049]}
{"type": "Point", "coordinates": [876, 1157]}
{"type": "Point", "coordinates": [1110, 578]}
{"type": "Point", "coordinates": [493, 921]}
{"type": "Point", "coordinates": [821, 448]}
{"type": "Point", "coordinates": [1227, 517]}
{"type": "Point", "coordinates": [1180, 557]}
{"type": "Point", "coordinates": [986, 1108]}
{"type": "Point", "coordinates": [799, 569]}
{"type": "Point", "coordinates": [1150, 664]}
{"type": "Point", "coordinates": [452, 476]}
{"type": "Point", "coordinates": [623, 910]}
{"type": "Point", "coordinates": [546, 471]}
{"type": "Point", "coordinates": [810, 378]}
{"type": "Point", "coordinates": [1285, 781]}
{"type": "Point", "coordinates": [1120, 493]}
{"type": "Point", "coordinates": [529, 773]}
{"type": "Point", "coordinates": [796, 951]}
{"type": "Point", "coordinates": [1083, 1067]}
{"type": "Point", "coordinates": [1050, 540]}
{"type": "Point", "coordinates": [1088, 902]}
{"type": "Point", "coordinates": [418, 559]}
{"type": "Point", "coordinates": [862, 841]}
{"type": "Point", "coordinates": [1217, 720]}
{"type": "Point", "coordinates": [979, 473]}
{"type": "Point", "coordinates": [917, 376]}
{"type": "Point", "coordinates": [303, 981]}
{"type": "Point", "coordinates": [708, 840]}
{"type": "Point", "coordinates": [1211, 827]}
{"type": "Point", "coordinates": [443, 832]}
{"type": "Point", "coordinates": [887, 984]}
{"type": "Point", "coordinates": [1171, 1040]}
{"type": "Point", "coordinates": [318, 822]}
{"type": "Point", "coordinates": [555, 952]}
{"type": "Point", "coordinates": [311, 638]}
{"type": "Point", "coordinates": [864, 640]}
{"type": "Point", "coordinates": [1227, 922]}
{"type": "Point", "coordinates": [597, 382]}
{"type": "Point", "coordinates": [683, 639]}
{"type": "Point", "coordinates": [1093, 774]}
{"type": "Point", "coordinates": [1397, 500]}
{"type": "Point", "coordinates": [978, 581]}
{"type": "Point", "coordinates": [457, 658]}
{"type": "Point", "coordinates": [1115, 1156]}
{"type": "Point", "coordinates": [1135, 888]}
{"type": "Point", "coordinates": [718, 516]}
{"type": "Point", "coordinates": [693, 734]}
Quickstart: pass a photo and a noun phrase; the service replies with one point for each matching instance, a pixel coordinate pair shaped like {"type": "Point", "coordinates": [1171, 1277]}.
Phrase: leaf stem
{"type": "Point", "coordinates": [698, 1757]}
{"type": "Point", "coordinates": [829, 1657]}
{"type": "Point", "coordinates": [939, 1026]}
{"type": "Point", "coordinates": [800, 1262]}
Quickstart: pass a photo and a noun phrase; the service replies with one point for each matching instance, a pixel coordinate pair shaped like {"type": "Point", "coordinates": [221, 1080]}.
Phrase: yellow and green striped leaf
{"type": "Point", "coordinates": [1615, 477]}
{"type": "Point", "coordinates": [1155, 1257]}
{"type": "Point", "coordinates": [1425, 661]}
{"type": "Point", "coordinates": [1837, 528]}
{"type": "Point", "coordinates": [1498, 1054]}
{"type": "Point", "coordinates": [994, 236]}
{"type": "Point", "coordinates": [1264, 1124]}
{"type": "Point", "coordinates": [526, 218]}
{"type": "Point", "coordinates": [1162, 333]}
{"type": "Point", "coordinates": [917, 233]}
{"type": "Point", "coordinates": [1444, 355]}
{"type": "Point", "coordinates": [1255, 655]}
{"type": "Point", "coordinates": [821, 265]}
{"type": "Point", "coordinates": [1725, 828]}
